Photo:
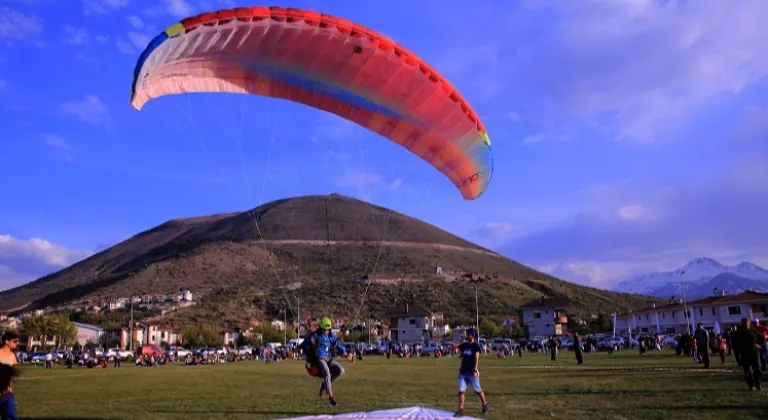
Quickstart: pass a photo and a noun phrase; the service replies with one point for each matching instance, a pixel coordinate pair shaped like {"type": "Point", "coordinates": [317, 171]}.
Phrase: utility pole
{"type": "Point", "coordinates": [285, 327]}
{"type": "Point", "coordinates": [685, 301]}
{"type": "Point", "coordinates": [298, 316]}
{"type": "Point", "coordinates": [477, 310]}
{"type": "Point", "coordinates": [130, 339]}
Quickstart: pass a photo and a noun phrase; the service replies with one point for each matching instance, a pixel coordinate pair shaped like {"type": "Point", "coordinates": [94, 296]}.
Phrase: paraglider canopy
{"type": "Point", "coordinates": [327, 63]}
{"type": "Point", "coordinates": [410, 413]}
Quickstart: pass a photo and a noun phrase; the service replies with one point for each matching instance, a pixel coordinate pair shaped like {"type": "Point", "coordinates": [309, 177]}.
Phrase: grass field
{"type": "Point", "coordinates": [619, 386]}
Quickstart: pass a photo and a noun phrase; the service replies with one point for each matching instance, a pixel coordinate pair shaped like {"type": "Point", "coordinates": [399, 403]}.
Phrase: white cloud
{"type": "Point", "coordinates": [362, 182]}
{"type": "Point", "coordinates": [513, 116]}
{"type": "Point", "coordinates": [135, 44]}
{"type": "Point", "coordinates": [533, 139]}
{"type": "Point", "coordinates": [75, 36]}
{"type": "Point", "coordinates": [397, 183]}
{"type": "Point", "coordinates": [139, 40]}
{"type": "Point", "coordinates": [125, 47]}
{"type": "Point", "coordinates": [609, 242]}
{"type": "Point", "coordinates": [178, 8]}
{"type": "Point", "coordinates": [14, 24]}
{"type": "Point", "coordinates": [64, 149]}
{"type": "Point", "coordinates": [102, 6]}
{"type": "Point", "coordinates": [641, 68]}
{"type": "Point", "coordinates": [591, 273]}
{"type": "Point", "coordinates": [136, 22]}
{"type": "Point", "coordinates": [57, 142]}
{"type": "Point", "coordinates": [494, 230]}
{"type": "Point", "coordinates": [90, 110]}
{"type": "Point", "coordinates": [633, 212]}
{"type": "Point", "coordinates": [24, 260]}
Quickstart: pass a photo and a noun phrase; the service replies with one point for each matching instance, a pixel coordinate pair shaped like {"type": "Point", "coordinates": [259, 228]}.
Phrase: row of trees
{"type": "Point", "coordinates": [210, 336]}
{"type": "Point", "coordinates": [54, 330]}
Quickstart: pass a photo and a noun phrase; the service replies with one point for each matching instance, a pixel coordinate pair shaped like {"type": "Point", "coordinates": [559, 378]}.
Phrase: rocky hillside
{"type": "Point", "coordinates": [334, 254]}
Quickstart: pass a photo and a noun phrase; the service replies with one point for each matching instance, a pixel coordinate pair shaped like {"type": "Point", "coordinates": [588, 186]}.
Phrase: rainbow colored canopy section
{"type": "Point", "coordinates": [326, 63]}
{"type": "Point", "coordinates": [408, 413]}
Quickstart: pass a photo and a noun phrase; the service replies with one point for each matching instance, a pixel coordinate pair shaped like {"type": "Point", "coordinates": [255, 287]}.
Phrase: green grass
{"type": "Point", "coordinates": [620, 386]}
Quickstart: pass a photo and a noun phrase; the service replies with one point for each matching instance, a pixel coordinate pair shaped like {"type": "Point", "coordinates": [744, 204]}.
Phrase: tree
{"type": "Point", "coordinates": [64, 331]}
{"type": "Point", "coordinates": [574, 327]}
{"type": "Point", "coordinates": [513, 331]}
{"type": "Point", "coordinates": [45, 328]}
{"type": "Point", "coordinates": [488, 328]}
{"type": "Point", "coordinates": [274, 335]}
{"type": "Point", "coordinates": [460, 321]}
{"type": "Point", "coordinates": [201, 336]}
{"type": "Point", "coordinates": [604, 323]}
{"type": "Point", "coordinates": [242, 340]}
{"type": "Point", "coordinates": [354, 337]}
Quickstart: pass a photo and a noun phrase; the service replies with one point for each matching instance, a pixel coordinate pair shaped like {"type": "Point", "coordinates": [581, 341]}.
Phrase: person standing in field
{"type": "Point", "coordinates": [721, 348]}
{"type": "Point", "coordinates": [577, 348]}
{"type": "Point", "coordinates": [701, 336]}
{"type": "Point", "coordinates": [735, 346]}
{"type": "Point", "coordinates": [750, 342]}
{"type": "Point", "coordinates": [552, 345]}
{"type": "Point", "coordinates": [469, 373]}
{"type": "Point", "coordinates": [762, 330]}
{"type": "Point", "coordinates": [8, 343]}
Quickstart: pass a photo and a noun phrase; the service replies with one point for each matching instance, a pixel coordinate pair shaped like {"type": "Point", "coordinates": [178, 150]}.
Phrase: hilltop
{"type": "Point", "coordinates": [326, 251]}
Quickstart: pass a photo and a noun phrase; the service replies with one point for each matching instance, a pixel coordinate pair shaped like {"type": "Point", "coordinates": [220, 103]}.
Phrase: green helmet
{"type": "Point", "coordinates": [325, 323]}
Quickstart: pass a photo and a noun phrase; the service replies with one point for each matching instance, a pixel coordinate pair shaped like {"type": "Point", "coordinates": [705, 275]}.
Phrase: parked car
{"type": "Point", "coordinates": [38, 357]}
{"type": "Point", "coordinates": [178, 351]}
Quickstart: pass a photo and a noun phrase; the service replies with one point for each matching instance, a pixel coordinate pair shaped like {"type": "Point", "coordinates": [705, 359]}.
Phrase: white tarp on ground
{"type": "Point", "coordinates": [410, 413]}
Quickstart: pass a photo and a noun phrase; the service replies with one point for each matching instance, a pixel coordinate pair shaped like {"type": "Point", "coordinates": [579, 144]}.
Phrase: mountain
{"type": "Point", "coordinates": [338, 255]}
{"type": "Point", "coordinates": [700, 277]}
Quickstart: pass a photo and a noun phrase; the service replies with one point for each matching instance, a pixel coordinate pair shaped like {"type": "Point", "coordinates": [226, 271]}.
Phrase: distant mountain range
{"type": "Point", "coordinates": [700, 277]}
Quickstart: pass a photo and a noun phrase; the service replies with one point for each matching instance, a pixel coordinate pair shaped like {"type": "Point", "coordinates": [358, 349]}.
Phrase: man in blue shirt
{"type": "Point", "coordinates": [319, 347]}
{"type": "Point", "coordinates": [468, 372]}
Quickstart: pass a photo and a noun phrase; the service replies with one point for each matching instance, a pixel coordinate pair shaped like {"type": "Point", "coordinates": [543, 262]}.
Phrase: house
{"type": "Point", "coordinates": [9, 323]}
{"type": "Point", "coordinates": [411, 324]}
{"type": "Point", "coordinates": [277, 324]}
{"type": "Point", "coordinates": [156, 335]}
{"type": "Point", "coordinates": [117, 335]}
{"type": "Point", "coordinates": [186, 295]}
{"type": "Point", "coordinates": [509, 322]}
{"type": "Point", "coordinates": [544, 317]}
{"type": "Point", "coordinates": [712, 312]}
{"type": "Point", "coordinates": [88, 333]}
{"type": "Point", "coordinates": [230, 337]}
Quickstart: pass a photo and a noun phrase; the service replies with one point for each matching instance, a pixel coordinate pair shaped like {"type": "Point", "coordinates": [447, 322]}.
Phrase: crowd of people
{"type": "Point", "coordinates": [747, 343]}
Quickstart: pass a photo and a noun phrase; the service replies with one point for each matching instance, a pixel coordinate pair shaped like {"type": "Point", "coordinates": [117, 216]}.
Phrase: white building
{"type": "Point", "coordinates": [152, 334]}
{"type": "Point", "coordinates": [720, 311]}
{"type": "Point", "coordinates": [277, 324]}
{"type": "Point", "coordinates": [412, 324]}
{"type": "Point", "coordinates": [544, 317]}
{"type": "Point", "coordinates": [88, 332]}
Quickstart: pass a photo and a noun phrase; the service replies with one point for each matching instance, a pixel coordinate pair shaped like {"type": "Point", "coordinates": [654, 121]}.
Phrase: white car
{"type": "Point", "coordinates": [176, 350]}
{"type": "Point", "coordinates": [670, 341]}
{"type": "Point", "coordinates": [124, 354]}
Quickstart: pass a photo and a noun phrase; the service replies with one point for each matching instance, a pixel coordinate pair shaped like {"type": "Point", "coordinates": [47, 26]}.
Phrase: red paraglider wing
{"type": "Point", "coordinates": [326, 63]}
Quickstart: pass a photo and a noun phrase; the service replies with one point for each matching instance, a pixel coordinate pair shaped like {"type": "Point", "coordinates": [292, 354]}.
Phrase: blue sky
{"type": "Point", "coordinates": [629, 136]}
